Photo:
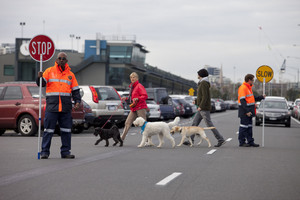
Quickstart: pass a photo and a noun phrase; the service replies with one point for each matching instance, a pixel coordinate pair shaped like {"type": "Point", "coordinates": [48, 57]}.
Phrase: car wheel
{"type": "Point", "coordinates": [2, 131]}
{"type": "Point", "coordinates": [288, 124]}
{"type": "Point", "coordinates": [27, 126]}
{"type": "Point", "coordinates": [257, 123]}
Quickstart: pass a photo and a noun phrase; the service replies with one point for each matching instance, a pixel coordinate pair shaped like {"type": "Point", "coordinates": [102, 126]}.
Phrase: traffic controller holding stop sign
{"type": "Point", "coordinates": [41, 45]}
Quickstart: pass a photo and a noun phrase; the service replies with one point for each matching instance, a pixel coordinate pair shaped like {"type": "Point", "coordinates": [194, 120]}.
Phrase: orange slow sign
{"type": "Point", "coordinates": [266, 72]}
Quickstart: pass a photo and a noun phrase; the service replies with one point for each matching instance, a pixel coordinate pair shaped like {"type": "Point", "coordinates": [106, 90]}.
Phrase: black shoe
{"type": "Point", "coordinates": [220, 143]}
{"type": "Point", "coordinates": [68, 156]}
{"type": "Point", "coordinates": [44, 156]}
{"type": "Point", "coordinates": [254, 145]}
{"type": "Point", "coordinates": [244, 145]}
{"type": "Point", "coordinates": [187, 143]}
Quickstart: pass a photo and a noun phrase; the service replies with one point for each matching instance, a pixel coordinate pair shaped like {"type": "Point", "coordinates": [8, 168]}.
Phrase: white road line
{"type": "Point", "coordinates": [298, 122]}
{"type": "Point", "coordinates": [168, 179]}
{"type": "Point", "coordinates": [212, 151]}
{"type": "Point", "coordinates": [229, 139]}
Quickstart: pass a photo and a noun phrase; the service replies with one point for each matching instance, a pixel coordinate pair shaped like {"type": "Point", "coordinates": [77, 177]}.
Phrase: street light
{"type": "Point", "coordinates": [22, 24]}
{"type": "Point", "coordinates": [296, 68]}
{"type": "Point", "coordinates": [78, 38]}
{"type": "Point", "coordinates": [72, 36]}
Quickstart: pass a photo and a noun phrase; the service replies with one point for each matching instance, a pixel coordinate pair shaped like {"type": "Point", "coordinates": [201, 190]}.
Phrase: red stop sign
{"type": "Point", "coordinates": [41, 45]}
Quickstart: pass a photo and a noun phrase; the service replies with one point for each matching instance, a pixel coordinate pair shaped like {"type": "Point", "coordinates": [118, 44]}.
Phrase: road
{"type": "Point", "coordinates": [130, 173]}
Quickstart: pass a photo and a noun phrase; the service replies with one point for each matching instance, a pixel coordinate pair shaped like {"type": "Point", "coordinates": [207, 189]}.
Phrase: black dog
{"type": "Point", "coordinates": [105, 134]}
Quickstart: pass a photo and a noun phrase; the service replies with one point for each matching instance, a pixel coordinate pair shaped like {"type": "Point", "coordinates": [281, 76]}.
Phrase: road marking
{"type": "Point", "coordinates": [295, 120]}
{"type": "Point", "coordinates": [168, 179]}
{"type": "Point", "coordinates": [212, 151]}
{"type": "Point", "coordinates": [229, 139]}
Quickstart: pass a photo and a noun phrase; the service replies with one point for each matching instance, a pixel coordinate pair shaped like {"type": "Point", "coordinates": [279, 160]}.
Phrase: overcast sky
{"type": "Point", "coordinates": [181, 35]}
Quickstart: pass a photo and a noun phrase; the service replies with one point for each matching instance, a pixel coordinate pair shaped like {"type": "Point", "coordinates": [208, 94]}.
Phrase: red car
{"type": "Point", "coordinates": [19, 108]}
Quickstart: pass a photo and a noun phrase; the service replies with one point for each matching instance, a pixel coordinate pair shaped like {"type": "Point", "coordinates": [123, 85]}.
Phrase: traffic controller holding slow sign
{"type": "Point", "coordinates": [266, 72]}
{"type": "Point", "coordinates": [41, 45]}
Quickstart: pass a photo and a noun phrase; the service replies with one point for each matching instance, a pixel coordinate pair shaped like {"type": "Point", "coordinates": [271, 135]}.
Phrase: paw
{"type": "Point", "coordinates": [179, 145]}
{"type": "Point", "coordinates": [106, 145]}
{"type": "Point", "coordinates": [139, 146]}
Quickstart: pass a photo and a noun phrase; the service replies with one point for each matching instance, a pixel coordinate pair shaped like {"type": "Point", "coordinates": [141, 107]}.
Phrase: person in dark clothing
{"type": "Point", "coordinates": [246, 101]}
{"type": "Point", "coordinates": [61, 86]}
{"type": "Point", "coordinates": [203, 103]}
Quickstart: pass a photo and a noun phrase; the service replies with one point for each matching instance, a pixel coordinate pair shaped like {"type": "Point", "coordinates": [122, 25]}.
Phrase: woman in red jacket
{"type": "Point", "coordinates": [137, 98]}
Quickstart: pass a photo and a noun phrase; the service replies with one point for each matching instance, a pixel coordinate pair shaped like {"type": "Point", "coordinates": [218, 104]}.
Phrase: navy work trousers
{"type": "Point", "coordinates": [65, 123]}
{"type": "Point", "coordinates": [245, 130]}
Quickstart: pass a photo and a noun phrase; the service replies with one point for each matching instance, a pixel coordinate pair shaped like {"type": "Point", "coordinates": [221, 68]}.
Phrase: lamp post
{"type": "Point", "coordinates": [72, 36]}
{"type": "Point", "coordinates": [78, 38]}
{"type": "Point", "coordinates": [296, 68]}
{"type": "Point", "coordinates": [22, 24]}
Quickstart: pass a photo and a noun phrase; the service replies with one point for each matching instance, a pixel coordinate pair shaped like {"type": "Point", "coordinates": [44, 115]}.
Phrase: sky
{"type": "Point", "coordinates": [182, 35]}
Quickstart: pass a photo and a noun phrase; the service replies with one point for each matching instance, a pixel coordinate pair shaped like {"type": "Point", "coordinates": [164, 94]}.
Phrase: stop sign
{"type": "Point", "coordinates": [41, 45]}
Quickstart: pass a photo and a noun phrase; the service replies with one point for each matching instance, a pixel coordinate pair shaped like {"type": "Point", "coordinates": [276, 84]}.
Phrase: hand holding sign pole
{"type": "Point", "coordinates": [41, 49]}
{"type": "Point", "coordinates": [264, 74]}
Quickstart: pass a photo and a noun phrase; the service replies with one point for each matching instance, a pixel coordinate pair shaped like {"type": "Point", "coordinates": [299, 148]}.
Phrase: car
{"type": "Point", "coordinates": [220, 105]}
{"type": "Point", "coordinates": [161, 97]}
{"type": "Point", "coordinates": [19, 108]}
{"type": "Point", "coordinates": [105, 102]}
{"type": "Point", "coordinates": [188, 111]}
{"type": "Point", "coordinates": [296, 109]}
{"type": "Point", "coordinates": [178, 108]}
{"type": "Point", "coordinates": [88, 115]}
{"type": "Point", "coordinates": [154, 110]}
{"type": "Point", "coordinates": [189, 99]}
{"type": "Point", "coordinates": [276, 111]}
{"type": "Point", "coordinates": [232, 105]}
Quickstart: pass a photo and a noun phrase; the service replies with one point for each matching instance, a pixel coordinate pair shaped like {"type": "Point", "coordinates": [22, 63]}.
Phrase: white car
{"type": "Point", "coordinates": [105, 102]}
{"type": "Point", "coordinates": [154, 110]}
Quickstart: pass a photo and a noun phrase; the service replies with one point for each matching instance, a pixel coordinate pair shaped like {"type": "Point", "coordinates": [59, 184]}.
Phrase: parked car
{"type": "Point", "coordinates": [232, 105]}
{"type": "Point", "coordinates": [188, 112]}
{"type": "Point", "coordinates": [105, 102]}
{"type": "Point", "coordinates": [213, 106]}
{"type": "Point", "coordinates": [126, 106]}
{"type": "Point", "coordinates": [19, 108]}
{"type": "Point", "coordinates": [276, 111]}
{"type": "Point", "coordinates": [154, 110]}
{"type": "Point", "coordinates": [88, 115]}
{"type": "Point", "coordinates": [161, 97]}
{"type": "Point", "coordinates": [296, 109]}
{"type": "Point", "coordinates": [220, 105]}
{"type": "Point", "coordinates": [189, 99]}
{"type": "Point", "coordinates": [178, 108]}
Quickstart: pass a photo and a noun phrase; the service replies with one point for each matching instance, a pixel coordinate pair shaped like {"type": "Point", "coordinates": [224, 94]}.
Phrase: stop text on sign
{"type": "Point", "coordinates": [41, 48]}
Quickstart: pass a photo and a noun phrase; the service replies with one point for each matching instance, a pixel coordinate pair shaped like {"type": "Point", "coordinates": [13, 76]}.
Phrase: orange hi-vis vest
{"type": "Point", "coordinates": [245, 92]}
{"type": "Point", "coordinates": [59, 87]}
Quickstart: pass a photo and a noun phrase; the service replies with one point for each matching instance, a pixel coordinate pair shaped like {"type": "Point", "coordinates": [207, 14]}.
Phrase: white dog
{"type": "Point", "coordinates": [188, 131]}
{"type": "Point", "coordinates": [174, 123]}
{"type": "Point", "coordinates": [154, 128]}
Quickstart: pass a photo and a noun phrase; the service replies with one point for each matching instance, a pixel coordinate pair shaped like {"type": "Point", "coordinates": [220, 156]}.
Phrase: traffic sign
{"type": "Point", "coordinates": [41, 45]}
{"type": "Point", "coordinates": [266, 72]}
{"type": "Point", "coordinates": [191, 91]}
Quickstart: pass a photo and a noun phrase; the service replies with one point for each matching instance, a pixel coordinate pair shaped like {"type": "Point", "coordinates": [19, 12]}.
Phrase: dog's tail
{"type": "Point", "coordinates": [174, 122]}
{"type": "Point", "coordinates": [207, 128]}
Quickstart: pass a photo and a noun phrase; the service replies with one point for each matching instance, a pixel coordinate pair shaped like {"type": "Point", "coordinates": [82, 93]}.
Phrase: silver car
{"type": "Point", "coordinates": [105, 102]}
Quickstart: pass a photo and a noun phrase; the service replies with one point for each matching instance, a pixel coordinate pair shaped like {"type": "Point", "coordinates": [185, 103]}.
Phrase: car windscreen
{"type": "Point", "coordinates": [35, 91]}
{"type": "Point", "coordinates": [107, 93]}
{"type": "Point", "coordinates": [274, 104]}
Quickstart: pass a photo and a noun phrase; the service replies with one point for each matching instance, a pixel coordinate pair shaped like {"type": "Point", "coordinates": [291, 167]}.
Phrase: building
{"type": "Point", "coordinates": [106, 61]}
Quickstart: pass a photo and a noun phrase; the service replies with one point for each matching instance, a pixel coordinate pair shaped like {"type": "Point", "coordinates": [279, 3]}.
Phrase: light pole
{"type": "Point", "coordinates": [72, 36]}
{"type": "Point", "coordinates": [296, 68]}
{"type": "Point", "coordinates": [22, 24]}
{"type": "Point", "coordinates": [78, 38]}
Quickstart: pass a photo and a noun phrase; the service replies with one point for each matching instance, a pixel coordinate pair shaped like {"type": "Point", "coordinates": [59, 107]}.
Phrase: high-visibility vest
{"type": "Point", "coordinates": [60, 84]}
{"type": "Point", "coordinates": [245, 92]}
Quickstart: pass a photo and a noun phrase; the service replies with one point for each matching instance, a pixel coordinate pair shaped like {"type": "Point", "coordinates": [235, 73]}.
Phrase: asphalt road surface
{"type": "Point", "coordinates": [181, 173]}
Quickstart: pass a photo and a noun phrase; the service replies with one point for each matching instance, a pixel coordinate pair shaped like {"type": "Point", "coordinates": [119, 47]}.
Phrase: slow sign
{"type": "Point", "coordinates": [266, 72]}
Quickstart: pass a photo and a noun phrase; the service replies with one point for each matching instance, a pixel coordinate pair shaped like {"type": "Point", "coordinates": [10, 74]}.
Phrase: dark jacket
{"type": "Point", "coordinates": [203, 95]}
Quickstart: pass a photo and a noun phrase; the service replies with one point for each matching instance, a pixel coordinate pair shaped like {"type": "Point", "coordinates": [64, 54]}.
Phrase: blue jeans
{"type": "Point", "coordinates": [65, 123]}
{"type": "Point", "coordinates": [245, 130]}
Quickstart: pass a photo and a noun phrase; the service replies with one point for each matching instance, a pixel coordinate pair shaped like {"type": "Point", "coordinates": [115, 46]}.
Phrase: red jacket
{"type": "Point", "coordinates": [138, 91]}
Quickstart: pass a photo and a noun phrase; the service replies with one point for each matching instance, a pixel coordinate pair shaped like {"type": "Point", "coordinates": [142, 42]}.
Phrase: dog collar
{"type": "Point", "coordinates": [143, 127]}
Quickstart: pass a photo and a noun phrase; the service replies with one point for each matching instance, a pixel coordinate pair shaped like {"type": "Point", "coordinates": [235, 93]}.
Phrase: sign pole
{"type": "Point", "coordinates": [40, 107]}
{"type": "Point", "coordinates": [263, 125]}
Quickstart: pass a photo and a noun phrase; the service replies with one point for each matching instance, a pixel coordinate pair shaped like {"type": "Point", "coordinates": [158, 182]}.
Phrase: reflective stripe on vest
{"type": "Point", "coordinates": [58, 94]}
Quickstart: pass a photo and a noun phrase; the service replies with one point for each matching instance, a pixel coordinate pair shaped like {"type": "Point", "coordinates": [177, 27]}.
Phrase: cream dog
{"type": "Point", "coordinates": [154, 128]}
{"type": "Point", "coordinates": [188, 131]}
